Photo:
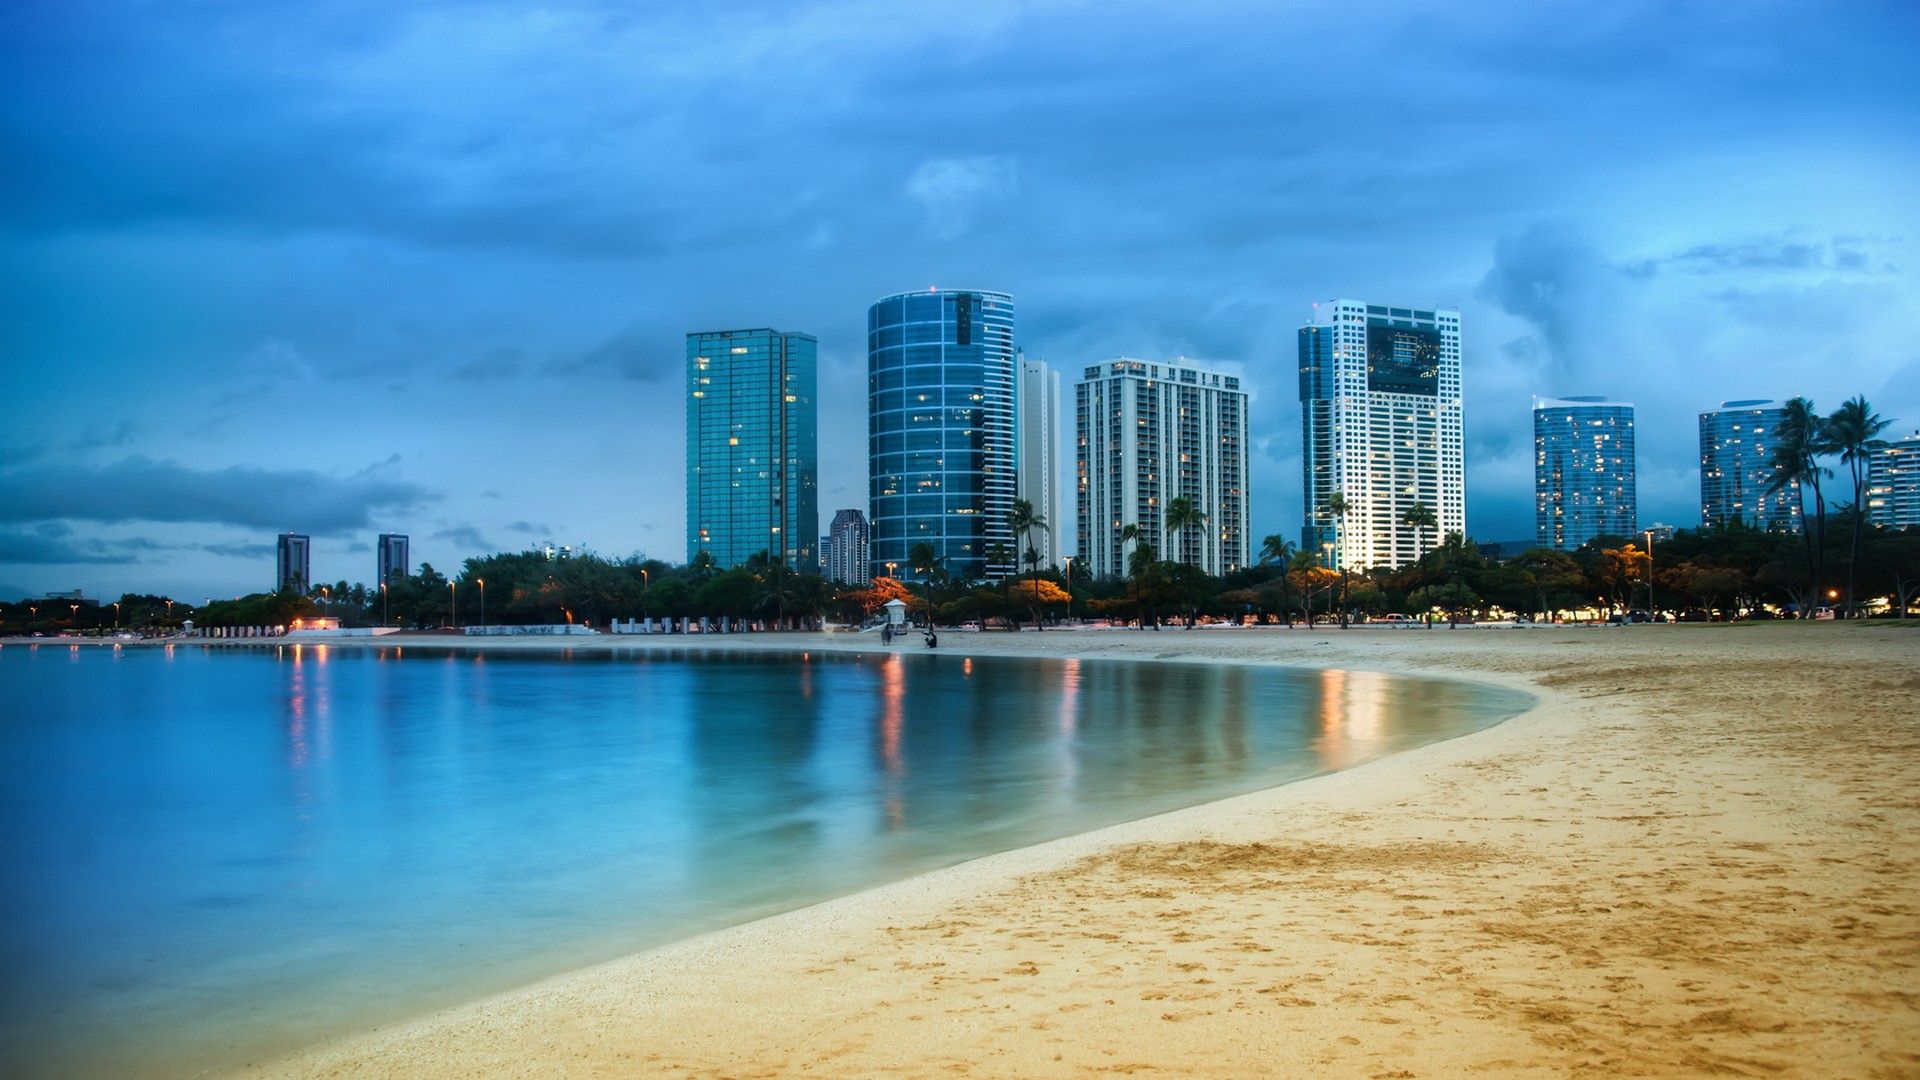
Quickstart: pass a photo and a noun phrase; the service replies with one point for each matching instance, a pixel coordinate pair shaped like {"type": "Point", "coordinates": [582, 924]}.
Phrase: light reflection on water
{"type": "Point", "coordinates": [212, 856]}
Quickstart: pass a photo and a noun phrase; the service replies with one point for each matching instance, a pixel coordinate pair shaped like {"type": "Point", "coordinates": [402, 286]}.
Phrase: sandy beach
{"type": "Point", "coordinates": [1696, 855]}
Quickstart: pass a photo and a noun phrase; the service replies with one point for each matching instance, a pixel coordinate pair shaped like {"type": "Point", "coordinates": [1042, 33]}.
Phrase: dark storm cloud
{"type": "Point", "coordinates": [143, 489]}
{"type": "Point", "coordinates": [640, 354]}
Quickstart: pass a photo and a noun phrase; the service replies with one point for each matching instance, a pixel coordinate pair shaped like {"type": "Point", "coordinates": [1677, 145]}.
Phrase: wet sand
{"type": "Point", "coordinates": [1697, 855]}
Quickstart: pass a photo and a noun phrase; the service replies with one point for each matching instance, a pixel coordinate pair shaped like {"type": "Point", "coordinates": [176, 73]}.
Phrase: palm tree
{"type": "Point", "coordinates": [1129, 533]}
{"type": "Point", "coordinates": [1336, 509]}
{"type": "Point", "coordinates": [1278, 550]}
{"type": "Point", "coordinates": [1854, 431]}
{"type": "Point", "coordinates": [1182, 515]}
{"type": "Point", "coordinates": [923, 559]}
{"type": "Point", "coordinates": [1419, 517]}
{"type": "Point", "coordinates": [1800, 440]}
{"type": "Point", "coordinates": [1022, 520]}
{"type": "Point", "coordinates": [1143, 566]}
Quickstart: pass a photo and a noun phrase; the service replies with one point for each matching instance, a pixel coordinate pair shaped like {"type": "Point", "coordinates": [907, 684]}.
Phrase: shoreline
{"type": "Point", "coordinates": [1567, 888]}
{"type": "Point", "coordinates": [1383, 915]}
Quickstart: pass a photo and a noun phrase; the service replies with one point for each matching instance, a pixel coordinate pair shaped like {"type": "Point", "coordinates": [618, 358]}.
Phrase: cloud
{"type": "Point", "coordinates": [139, 488]}
{"type": "Point", "coordinates": [466, 536]}
{"type": "Point", "coordinates": [528, 528]}
{"type": "Point", "coordinates": [56, 547]}
{"type": "Point", "coordinates": [954, 191]}
{"type": "Point", "coordinates": [497, 364]}
{"type": "Point", "coordinates": [1773, 253]}
{"type": "Point", "coordinates": [635, 353]}
{"type": "Point", "coordinates": [1553, 277]}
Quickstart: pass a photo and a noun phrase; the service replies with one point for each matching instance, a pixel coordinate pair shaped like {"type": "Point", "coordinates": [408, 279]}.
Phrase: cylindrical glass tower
{"type": "Point", "coordinates": [940, 374]}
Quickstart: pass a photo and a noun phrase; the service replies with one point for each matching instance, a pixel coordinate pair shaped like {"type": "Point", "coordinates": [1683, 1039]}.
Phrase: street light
{"type": "Point", "coordinates": [890, 567]}
{"type": "Point", "coordinates": [1068, 559]}
{"type": "Point", "coordinates": [74, 618]}
{"type": "Point", "coordinates": [453, 610]}
{"type": "Point", "coordinates": [482, 582]}
{"type": "Point", "coordinates": [116, 614]}
{"type": "Point", "coordinates": [646, 594]}
{"type": "Point", "coordinates": [383, 604]}
{"type": "Point", "coordinates": [1648, 533]}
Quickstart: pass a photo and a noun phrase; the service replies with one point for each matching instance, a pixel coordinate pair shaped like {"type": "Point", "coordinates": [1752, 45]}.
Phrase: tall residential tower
{"type": "Point", "coordinates": [1149, 433]}
{"type": "Point", "coordinates": [394, 558]}
{"type": "Point", "coordinates": [847, 548]}
{"type": "Point", "coordinates": [1037, 471]}
{"type": "Point", "coordinates": [1736, 467]}
{"type": "Point", "coordinates": [1893, 483]}
{"type": "Point", "coordinates": [1583, 471]}
{"type": "Point", "coordinates": [1382, 423]}
{"type": "Point", "coordinates": [940, 427]}
{"type": "Point", "coordinates": [293, 563]}
{"type": "Point", "coordinates": [753, 456]}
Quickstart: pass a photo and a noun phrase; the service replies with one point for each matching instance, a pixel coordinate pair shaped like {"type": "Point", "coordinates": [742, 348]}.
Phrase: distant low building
{"type": "Point", "coordinates": [1661, 531]}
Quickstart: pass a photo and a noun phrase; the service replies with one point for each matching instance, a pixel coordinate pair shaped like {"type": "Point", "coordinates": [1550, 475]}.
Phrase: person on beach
{"type": "Point", "coordinates": [933, 639]}
{"type": "Point", "coordinates": [886, 634]}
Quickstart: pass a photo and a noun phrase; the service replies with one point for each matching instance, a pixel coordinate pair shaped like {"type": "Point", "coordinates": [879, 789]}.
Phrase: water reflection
{"type": "Point", "coordinates": [287, 838]}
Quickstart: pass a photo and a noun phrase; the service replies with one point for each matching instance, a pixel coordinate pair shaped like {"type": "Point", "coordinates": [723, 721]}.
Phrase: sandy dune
{"type": "Point", "coordinates": [1699, 854]}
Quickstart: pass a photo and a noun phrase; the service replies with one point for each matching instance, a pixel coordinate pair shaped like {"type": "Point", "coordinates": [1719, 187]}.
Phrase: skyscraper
{"type": "Point", "coordinates": [394, 560]}
{"type": "Point", "coordinates": [1037, 472]}
{"type": "Point", "coordinates": [753, 456]}
{"type": "Point", "coordinates": [1893, 483]}
{"type": "Point", "coordinates": [1380, 409]}
{"type": "Point", "coordinates": [1149, 433]}
{"type": "Point", "coordinates": [1736, 467]}
{"type": "Point", "coordinates": [1583, 471]}
{"type": "Point", "coordinates": [847, 548]}
{"type": "Point", "coordinates": [940, 374]}
{"type": "Point", "coordinates": [293, 563]}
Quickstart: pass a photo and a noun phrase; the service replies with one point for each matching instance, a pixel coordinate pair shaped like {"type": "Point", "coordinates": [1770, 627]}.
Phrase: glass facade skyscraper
{"type": "Point", "coordinates": [394, 560]}
{"type": "Point", "coordinates": [940, 426]}
{"type": "Point", "coordinates": [753, 457]}
{"type": "Point", "coordinates": [1583, 471]}
{"type": "Point", "coordinates": [1736, 467]}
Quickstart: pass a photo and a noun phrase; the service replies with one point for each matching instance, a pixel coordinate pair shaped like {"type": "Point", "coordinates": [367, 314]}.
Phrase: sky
{"type": "Point", "coordinates": [344, 267]}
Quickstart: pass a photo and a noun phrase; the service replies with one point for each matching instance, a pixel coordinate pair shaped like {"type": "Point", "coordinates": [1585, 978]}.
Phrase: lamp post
{"type": "Point", "coordinates": [116, 614]}
{"type": "Point", "coordinates": [1326, 559]}
{"type": "Point", "coordinates": [326, 607]}
{"type": "Point", "coordinates": [453, 610]}
{"type": "Point", "coordinates": [890, 567]}
{"type": "Point", "coordinates": [384, 620]}
{"type": "Point", "coordinates": [482, 582]}
{"type": "Point", "coordinates": [646, 594]}
{"type": "Point", "coordinates": [1069, 561]}
{"type": "Point", "coordinates": [73, 616]}
{"type": "Point", "coordinates": [1648, 533]}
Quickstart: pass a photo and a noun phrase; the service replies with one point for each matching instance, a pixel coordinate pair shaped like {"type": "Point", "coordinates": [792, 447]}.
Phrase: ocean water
{"type": "Point", "coordinates": [213, 856]}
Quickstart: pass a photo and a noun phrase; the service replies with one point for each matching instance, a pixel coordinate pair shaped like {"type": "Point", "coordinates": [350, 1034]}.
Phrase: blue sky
{"type": "Point", "coordinates": [345, 267]}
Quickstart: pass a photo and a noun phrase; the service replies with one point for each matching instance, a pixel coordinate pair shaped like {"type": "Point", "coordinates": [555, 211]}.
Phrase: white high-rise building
{"type": "Point", "coordinates": [1893, 483]}
{"type": "Point", "coordinates": [1149, 433]}
{"type": "Point", "coordinates": [1380, 406]}
{"type": "Point", "coordinates": [1036, 404]}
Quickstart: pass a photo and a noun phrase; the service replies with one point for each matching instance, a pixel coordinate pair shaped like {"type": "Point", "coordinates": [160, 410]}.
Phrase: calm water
{"type": "Point", "coordinates": [212, 856]}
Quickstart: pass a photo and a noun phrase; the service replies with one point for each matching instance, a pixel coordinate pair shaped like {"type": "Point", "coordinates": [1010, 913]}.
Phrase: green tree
{"type": "Point", "coordinates": [1420, 517]}
{"type": "Point", "coordinates": [1183, 516]}
{"type": "Point", "coordinates": [923, 559]}
{"type": "Point", "coordinates": [1854, 432]}
{"type": "Point", "coordinates": [1800, 440]}
{"type": "Point", "coordinates": [1336, 509]}
{"type": "Point", "coordinates": [1277, 550]}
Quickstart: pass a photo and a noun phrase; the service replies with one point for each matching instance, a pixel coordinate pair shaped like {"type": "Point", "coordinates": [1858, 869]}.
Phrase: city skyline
{"type": "Point", "coordinates": [207, 238]}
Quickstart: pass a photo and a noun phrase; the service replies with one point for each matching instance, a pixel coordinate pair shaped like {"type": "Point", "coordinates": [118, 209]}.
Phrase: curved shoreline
{"type": "Point", "coordinates": [830, 980]}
